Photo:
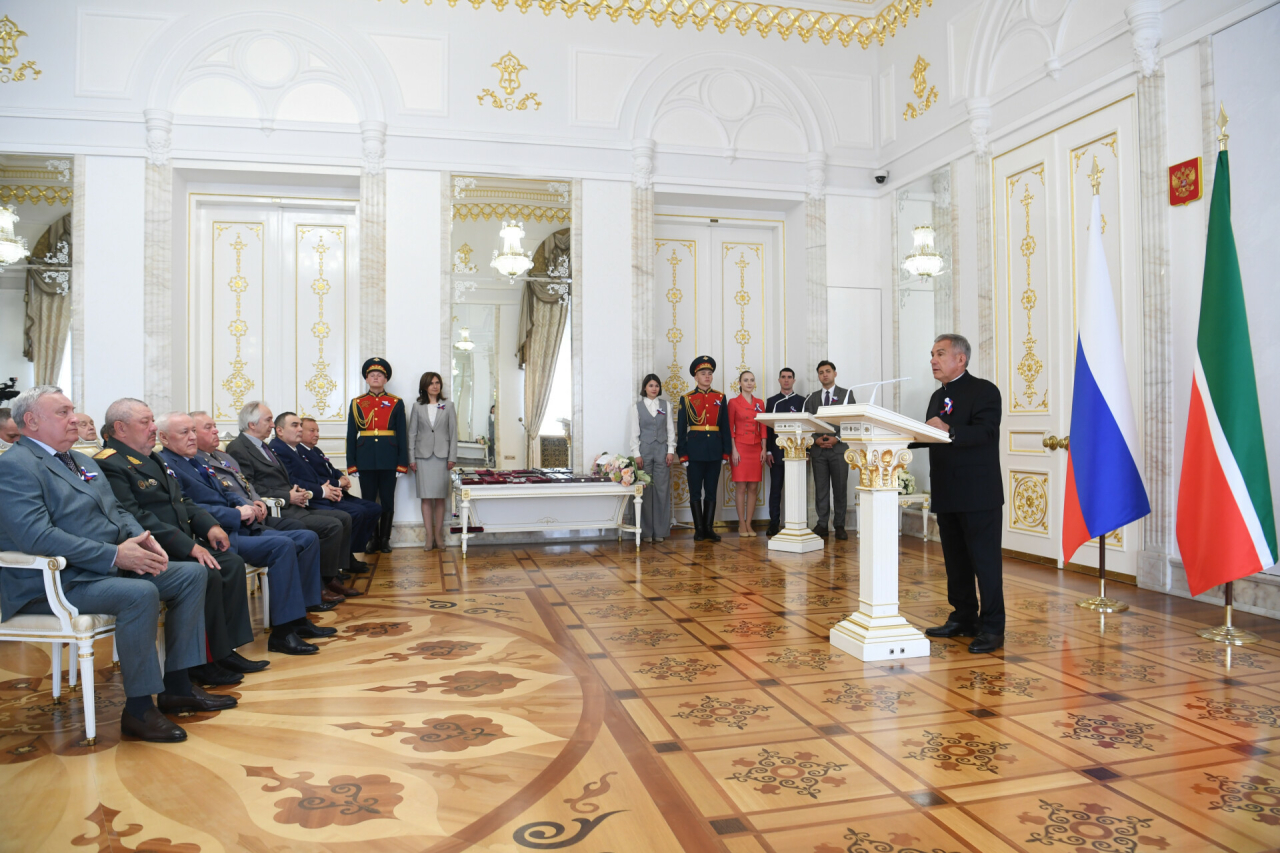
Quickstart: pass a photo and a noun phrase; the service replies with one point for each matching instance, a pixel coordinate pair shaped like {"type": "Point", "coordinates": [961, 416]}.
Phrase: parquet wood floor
{"type": "Point", "coordinates": [591, 699]}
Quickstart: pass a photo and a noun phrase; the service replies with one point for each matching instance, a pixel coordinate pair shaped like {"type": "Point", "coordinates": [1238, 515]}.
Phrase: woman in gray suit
{"type": "Point", "coordinates": [652, 440]}
{"type": "Point", "coordinates": [433, 445]}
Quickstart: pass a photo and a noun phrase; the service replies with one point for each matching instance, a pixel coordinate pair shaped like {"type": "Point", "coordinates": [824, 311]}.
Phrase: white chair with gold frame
{"type": "Point", "coordinates": [65, 625]}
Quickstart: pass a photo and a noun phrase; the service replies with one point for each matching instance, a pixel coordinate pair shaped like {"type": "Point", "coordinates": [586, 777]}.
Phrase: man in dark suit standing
{"type": "Point", "coordinates": [55, 501]}
{"type": "Point", "coordinates": [786, 400]}
{"type": "Point", "coordinates": [149, 491]}
{"type": "Point", "coordinates": [968, 494]}
{"type": "Point", "coordinates": [826, 457]}
{"type": "Point", "coordinates": [268, 475]}
{"type": "Point", "coordinates": [291, 557]}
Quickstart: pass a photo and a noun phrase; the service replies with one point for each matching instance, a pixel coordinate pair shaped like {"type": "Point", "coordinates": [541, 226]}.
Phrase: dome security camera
{"type": "Point", "coordinates": [881, 175]}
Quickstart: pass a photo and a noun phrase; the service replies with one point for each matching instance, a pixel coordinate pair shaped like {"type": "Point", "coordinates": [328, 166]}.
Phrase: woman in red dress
{"type": "Point", "coordinates": [748, 449]}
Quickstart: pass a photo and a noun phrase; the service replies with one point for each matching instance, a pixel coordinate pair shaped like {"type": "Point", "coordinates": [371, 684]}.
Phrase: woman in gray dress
{"type": "Point", "coordinates": [433, 445]}
{"type": "Point", "coordinates": [653, 444]}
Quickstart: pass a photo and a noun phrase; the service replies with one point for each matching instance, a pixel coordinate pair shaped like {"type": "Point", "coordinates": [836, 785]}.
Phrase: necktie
{"type": "Point", "coordinates": [828, 403]}
{"type": "Point", "coordinates": [266, 451]}
{"type": "Point", "coordinates": [65, 458]}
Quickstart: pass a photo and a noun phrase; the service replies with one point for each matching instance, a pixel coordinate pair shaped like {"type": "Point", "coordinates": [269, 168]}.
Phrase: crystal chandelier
{"type": "Point", "coordinates": [924, 261]}
{"type": "Point", "coordinates": [465, 343]}
{"type": "Point", "coordinates": [511, 261]}
{"type": "Point", "coordinates": [12, 249]}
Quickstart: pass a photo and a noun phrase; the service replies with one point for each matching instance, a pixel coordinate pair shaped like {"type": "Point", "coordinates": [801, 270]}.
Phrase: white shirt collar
{"type": "Point", "coordinates": [47, 448]}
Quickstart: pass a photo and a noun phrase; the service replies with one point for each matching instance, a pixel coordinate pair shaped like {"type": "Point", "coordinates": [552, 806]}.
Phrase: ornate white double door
{"type": "Point", "coordinates": [718, 292]}
{"type": "Point", "coordinates": [273, 307]}
{"type": "Point", "coordinates": [1041, 198]}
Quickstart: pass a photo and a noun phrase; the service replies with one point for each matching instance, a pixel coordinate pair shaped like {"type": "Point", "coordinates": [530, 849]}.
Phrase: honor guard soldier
{"type": "Point", "coordinates": [703, 444]}
{"type": "Point", "coordinates": [378, 445]}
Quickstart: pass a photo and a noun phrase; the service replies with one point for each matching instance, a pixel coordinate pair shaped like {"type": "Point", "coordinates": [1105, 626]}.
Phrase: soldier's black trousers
{"type": "Point", "coordinates": [704, 480]}
{"type": "Point", "coordinates": [379, 486]}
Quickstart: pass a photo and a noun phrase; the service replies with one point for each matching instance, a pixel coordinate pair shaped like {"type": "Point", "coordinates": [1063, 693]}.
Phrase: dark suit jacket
{"type": "Point", "coordinates": [45, 509]}
{"type": "Point", "coordinates": [207, 493]}
{"type": "Point", "coordinates": [965, 475]}
{"type": "Point", "coordinates": [301, 472]}
{"type": "Point", "coordinates": [271, 480]}
{"type": "Point", "coordinates": [149, 493]}
{"type": "Point", "coordinates": [320, 464]}
{"type": "Point", "coordinates": [840, 396]}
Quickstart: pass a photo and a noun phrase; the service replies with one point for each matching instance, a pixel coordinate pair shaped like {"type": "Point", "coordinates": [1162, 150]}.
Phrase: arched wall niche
{"type": "Point", "coordinates": [267, 67]}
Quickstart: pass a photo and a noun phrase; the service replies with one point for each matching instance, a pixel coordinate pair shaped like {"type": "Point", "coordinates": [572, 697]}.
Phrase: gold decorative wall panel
{"type": "Point", "coordinates": [17, 194]}
{"type": "Point", "coordinates": [9, 35]}
{"type": "Point", "coordinates": [926, 95]}
{"type": "Point", "coordinates": [1027, 327]}
{"type": "Point", "coordinates": [1029, 501]}
{"type": "Point", "coordinates": [509, 68]}
{"type": "Point", "coordinates": [742, 16]}
{"type": "Point", "coordinates": [320, 288]}
{"type": "Point", "coordinates": [237, 329]}
{"type": "Point", "coordinates": [498, 210]}
{"type": "Point", "coordinates": [681, 258]}
{"type": "Point", "coordinates": [742, 275]}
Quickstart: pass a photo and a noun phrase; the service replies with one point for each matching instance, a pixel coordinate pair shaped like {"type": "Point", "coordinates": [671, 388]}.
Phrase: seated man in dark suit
{"type": "Point", "coordinates": [292, 557]}
{"type": "Point", "coordinates": [148, 490]}
{"type": "Point", "coordinates": [364, 514]}
{"type": "Point", "coordinates": [55, 502]}
{"type": "Point", "coordinates": [267, 473]}
{"type": "Point", "coordinates": [290, 517]}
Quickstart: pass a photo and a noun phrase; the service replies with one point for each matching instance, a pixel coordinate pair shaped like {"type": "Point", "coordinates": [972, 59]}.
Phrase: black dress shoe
{"type": "Point", "coordinates": [321, 608]}
{"type": "Point", "coordinates": [841, 535]}
{"type": "Point", "coordinates": [386, 546]}
{"type": "Point", "coordinates": [290, 644]}
{"type": "Point", "coordinates": [212, 673]}
{"type": "Point", "coordinates": [821, 531]}
{"type": "Point", "coordinates": [986, 643]}
{"type": "Point", "coordinates": [344, 576]}
{"type": "Point", "coordinates": [950, 629]}
{"type": "Point", "coordinates": [774, 527]}
{"type": "Point", "coordinates": [311, 630]}
{"type": "Point", "coordinates": [199, 700]}
{"type": "Point", "coordinates": [154, 727]}
{"type": "Point", "coordinates": [236, 662]}
{"type": "Point", "coordinates": [356, 568]}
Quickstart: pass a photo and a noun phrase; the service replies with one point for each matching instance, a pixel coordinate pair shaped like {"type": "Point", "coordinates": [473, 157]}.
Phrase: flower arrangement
{"type": "Point", "coordinates": [620, 469]}
{"type": "Point", "coordinates": [906, 482]}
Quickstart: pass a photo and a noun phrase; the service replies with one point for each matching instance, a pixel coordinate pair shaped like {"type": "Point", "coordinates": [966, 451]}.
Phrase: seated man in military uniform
{"type": "Point", "coordinates": [703, 444]}
{"type": "Point", "coordinates": [149, 491]}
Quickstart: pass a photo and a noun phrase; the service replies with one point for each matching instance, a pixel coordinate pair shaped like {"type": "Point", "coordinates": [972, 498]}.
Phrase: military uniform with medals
{"type": "Point", "coordinates": [149, 491]}
{"type": "Point", "coordinates": [703, 443]}
{"type": "Point", "coordinates": [378, 448]}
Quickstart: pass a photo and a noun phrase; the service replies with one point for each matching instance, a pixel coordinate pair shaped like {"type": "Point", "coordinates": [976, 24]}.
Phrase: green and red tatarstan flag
{"type": "Point", "coordinates": [1226, 523]}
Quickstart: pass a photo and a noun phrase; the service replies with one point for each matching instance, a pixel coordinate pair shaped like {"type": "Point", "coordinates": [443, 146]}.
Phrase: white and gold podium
{"type": "Point", "coordinates": [795, 436]}
{"type": "Point", "coordinates": [878, 440]}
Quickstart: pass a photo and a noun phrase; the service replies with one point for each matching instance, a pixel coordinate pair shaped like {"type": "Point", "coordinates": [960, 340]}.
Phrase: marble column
{"type": "Point", "coordinates": [815, 244]}
{"type": "Point", "coordinates": [373, 240]}
{"type": "Point", "coordinates": [1157, 333]}
{"type": "Point", "coordinates": [575, 323]}
{"type": "Point", "coordinates": [157, 306]}
{"type": "Point", "coordinates": [77, 280]}
{"type": "Point", "coordinates": [642, 283]}
{"type": "Point", "coordinates": [985, 284]}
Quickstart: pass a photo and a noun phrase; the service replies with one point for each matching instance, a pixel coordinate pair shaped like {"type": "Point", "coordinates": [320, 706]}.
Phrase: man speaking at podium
{"type": "Point", "coordinates": [968, 493]}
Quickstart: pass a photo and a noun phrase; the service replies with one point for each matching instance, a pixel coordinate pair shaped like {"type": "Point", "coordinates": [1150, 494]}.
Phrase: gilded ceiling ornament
{"type": "Point", "coordinates": [9, 35]}
{"type": "Point", "coordinates": [524, 212]}
{"type": "Point", "coordinates": [509, 68]}
{"type": "Point", "coordinates": [742, 16]}
{"type": "Point", "coordinates": [926, 95]}
{"type": "Point", "coordinates": [34, 194]}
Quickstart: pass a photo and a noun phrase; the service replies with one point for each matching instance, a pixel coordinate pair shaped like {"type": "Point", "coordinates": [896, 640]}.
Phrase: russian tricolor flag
{"type": "Point", "coordinates": [1104, 488]}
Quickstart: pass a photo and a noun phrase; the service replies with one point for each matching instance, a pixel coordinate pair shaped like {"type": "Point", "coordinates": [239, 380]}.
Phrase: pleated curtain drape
{"type": "Point", "coordinates": [542, 322]}
{"type": "Point", "coordinates": [48, 299]}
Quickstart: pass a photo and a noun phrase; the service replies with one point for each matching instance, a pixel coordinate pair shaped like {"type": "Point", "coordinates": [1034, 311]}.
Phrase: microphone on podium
{"type": "Point", "coordinates": [877, 385]}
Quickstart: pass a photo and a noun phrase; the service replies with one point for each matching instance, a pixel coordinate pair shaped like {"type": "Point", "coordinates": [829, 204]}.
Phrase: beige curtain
{"type": "Point", "coordinates": [542, 323]}
{"type": "Point", "coordinates": [48, 301]}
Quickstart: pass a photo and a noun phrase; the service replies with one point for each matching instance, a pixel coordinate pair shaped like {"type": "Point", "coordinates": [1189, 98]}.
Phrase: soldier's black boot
{"type": "Point", "coordinates": [695, 507]}
{"type": "Point", "coordinates": [709, 520]}
{"type": "Point", "coordinates": [774, 527]}
{"type": "Point", "coordinates": [384, 526]}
